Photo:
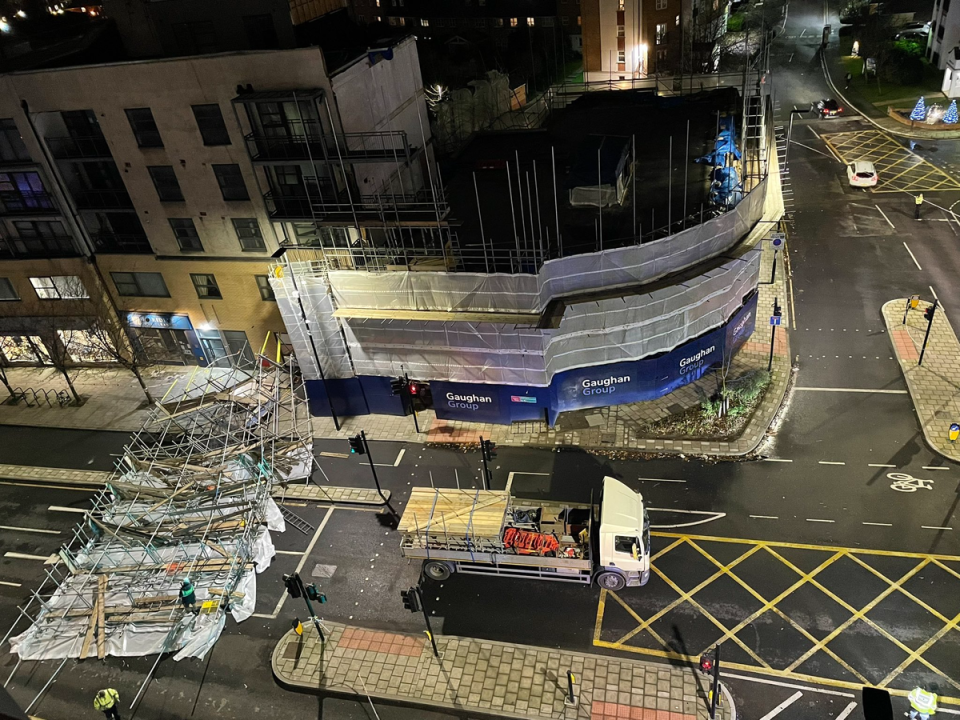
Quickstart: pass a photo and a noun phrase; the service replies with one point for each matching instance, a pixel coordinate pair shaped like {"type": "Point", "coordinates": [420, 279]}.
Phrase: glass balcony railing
{"type": "Point", "coordinates": [31, 203]}
{"type": "Point", "coordinates": [68, 148]}
{"type": "Point", "coordinates": [102, 199]}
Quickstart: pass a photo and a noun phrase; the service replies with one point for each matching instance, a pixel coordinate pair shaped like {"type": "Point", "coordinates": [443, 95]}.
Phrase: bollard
{"type": "Point", "coordinates": [954, 432]}
{"type": "Point", "coordinates": [571, 699]}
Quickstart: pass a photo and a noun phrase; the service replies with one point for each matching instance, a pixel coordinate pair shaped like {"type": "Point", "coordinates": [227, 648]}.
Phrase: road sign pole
{"type": "Point", "coordinates": [773, 273]}
{"type": "Point", "coordinates": [306, 599]}
{"type": "Point", "coordinates": [486, 470]}
{"type": "Point", "coordinates": [774, 321]}
{"type": "Point", "coordinates": [376, 480]}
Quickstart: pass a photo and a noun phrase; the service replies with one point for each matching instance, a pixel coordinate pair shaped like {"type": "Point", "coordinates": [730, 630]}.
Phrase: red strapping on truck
{"type": "Point", "coordinates": [530, 543]}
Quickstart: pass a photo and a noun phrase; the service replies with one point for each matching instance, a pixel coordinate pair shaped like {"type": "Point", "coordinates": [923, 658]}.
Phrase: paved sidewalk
{"type": "Point", "coordinates": [934, 386]}
{"type": "Point", "coordinates": [477, 676]}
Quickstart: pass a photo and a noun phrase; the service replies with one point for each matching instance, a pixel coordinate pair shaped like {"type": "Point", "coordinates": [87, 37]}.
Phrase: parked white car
{"type": "Point", "coordinates": [862, 174]}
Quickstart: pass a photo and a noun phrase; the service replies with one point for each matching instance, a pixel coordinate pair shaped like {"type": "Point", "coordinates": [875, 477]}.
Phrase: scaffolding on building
{"type": "Point", "coordinates": [190, 498]}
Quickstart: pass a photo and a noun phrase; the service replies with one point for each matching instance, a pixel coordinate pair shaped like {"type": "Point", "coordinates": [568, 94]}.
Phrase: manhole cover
{"type": "Point", "coordinates": [323, 571]}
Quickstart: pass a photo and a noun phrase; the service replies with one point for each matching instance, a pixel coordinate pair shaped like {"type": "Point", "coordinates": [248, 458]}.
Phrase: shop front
{"type": "Point", "coordinates": [167, 338]}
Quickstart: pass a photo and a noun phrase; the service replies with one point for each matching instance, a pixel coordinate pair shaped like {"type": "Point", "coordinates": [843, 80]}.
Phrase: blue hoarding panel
{"type": "Point", "coordinates": [468, 401]}
{"type": "Point", "coordinates": [599, 386]}
{"type": "Point", "coordinates": [380, 398]}
{"type": "Point", "coordinates": [345, 394]}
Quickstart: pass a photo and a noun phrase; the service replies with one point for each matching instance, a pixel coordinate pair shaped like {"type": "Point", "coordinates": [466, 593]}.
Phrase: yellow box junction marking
{"type": "Point", "coordinates": [899, 169]}
{"type": "Point", "coordinates": [753, 547]}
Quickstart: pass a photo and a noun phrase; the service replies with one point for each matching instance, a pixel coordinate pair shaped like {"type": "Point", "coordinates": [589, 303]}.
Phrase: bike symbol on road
{"type": "Point", "coordinates": [908, 484]}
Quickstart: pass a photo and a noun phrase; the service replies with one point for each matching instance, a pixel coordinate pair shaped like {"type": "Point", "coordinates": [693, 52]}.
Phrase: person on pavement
{"type": "Point", "coordinates": [923, 704]}
{"type": "Point", "coordinates": [106, 701]}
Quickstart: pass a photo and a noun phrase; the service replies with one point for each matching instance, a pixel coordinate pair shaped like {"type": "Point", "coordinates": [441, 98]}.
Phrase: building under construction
{"type": "Point", "coordinates": [191, 498]}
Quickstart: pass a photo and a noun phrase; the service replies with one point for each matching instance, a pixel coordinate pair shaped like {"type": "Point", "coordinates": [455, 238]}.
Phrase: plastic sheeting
{"type": "Point", "coordinates": [624, 328]}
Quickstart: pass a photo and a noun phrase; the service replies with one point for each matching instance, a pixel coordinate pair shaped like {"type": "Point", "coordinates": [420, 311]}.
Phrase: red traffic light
{"type": "Point", "coordinates": [706, 664]}
{"type": "Point", "coordinates": [413, 389]}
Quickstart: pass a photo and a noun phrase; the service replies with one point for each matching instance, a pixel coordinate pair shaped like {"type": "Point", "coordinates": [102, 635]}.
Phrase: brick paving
{"type": "Point", "coordinates": [513, 681]}
{"type": "Point", "coordinates": [934, 386]}
{"type": "Point", "coordinates": [316, 493]}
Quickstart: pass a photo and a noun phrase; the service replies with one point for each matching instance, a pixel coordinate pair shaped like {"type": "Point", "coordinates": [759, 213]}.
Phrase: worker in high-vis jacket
{"type": "Point", "coordinates": [923, 704]}
{"type": "Point", "coordinates": [107, 701]}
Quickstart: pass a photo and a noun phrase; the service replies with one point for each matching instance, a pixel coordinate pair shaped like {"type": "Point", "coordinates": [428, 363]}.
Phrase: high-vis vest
{"type": "Point", "coordinates": [106, 699]}
{"type": "Point", "coordinates": [923, 701]}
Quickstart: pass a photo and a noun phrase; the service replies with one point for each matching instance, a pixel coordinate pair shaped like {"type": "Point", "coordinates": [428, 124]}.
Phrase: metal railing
{"type": "Point", "coordinates": [386, 207]}
{"type": "Point", "coordinates": [27, 247]}
{"type": "Point", "coordinates": [27, 203]}
{"type": "Point", "coordinates": [356, 147]}
{"type": "Point", "coordinates": [67, 148]}
{"type": "Point", "coordinates": [50, 398]}
{"type": "Point", "coordinates": [110, 242]}
{"type": "Point", "coordinates": [102, 199]}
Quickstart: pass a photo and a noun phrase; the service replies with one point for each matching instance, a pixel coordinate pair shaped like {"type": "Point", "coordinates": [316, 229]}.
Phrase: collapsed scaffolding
{"type": "Point", "coordinates": [190, 498]}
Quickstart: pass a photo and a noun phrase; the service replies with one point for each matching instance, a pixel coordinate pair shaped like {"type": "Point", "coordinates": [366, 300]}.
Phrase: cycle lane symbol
{"type": "Point", "coordinates": [902, 482]}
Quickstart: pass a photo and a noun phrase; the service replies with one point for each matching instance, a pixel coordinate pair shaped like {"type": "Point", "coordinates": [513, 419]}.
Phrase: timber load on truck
{"type": "Point", "coordinates": [493, 532]}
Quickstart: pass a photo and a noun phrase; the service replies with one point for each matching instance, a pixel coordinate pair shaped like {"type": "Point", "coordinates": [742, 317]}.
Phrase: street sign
{"type": "Point", "coordinates": [522, 399]}
{"type": "Point", "coordinates": [775, 319]}
{"type": "Point", "coordinates": [777, 239]}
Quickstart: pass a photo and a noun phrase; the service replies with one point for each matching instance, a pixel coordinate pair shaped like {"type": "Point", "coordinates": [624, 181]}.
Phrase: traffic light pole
{"type": "Point", "coordinates": [416, 426]}
{"type": "Point", "coordinates": [716, 683]}
{"type": "Point", "coordinates": [426, 619]}
{"type": "Point", "coordinates": [773, 332]}
{"type": "Point", "coordinates": [933, 311]}
{"type": "Point", "coordinates": [486, 470]}
{"type": "Point", "coordinates": [373, 469]}
{"type": "Point", "coordinates": [306, 599]}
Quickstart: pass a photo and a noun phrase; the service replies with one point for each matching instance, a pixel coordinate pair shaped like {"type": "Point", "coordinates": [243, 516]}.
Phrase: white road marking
{"type": "Point", "coordinates": [303, 561]}
{"type": "Point", "coordinates": [24, 556]}
{"type": "Point", "coordinates": [660, 480]}
{"type": "Point", "coordinates": [712, 516]}
{"type": "Point", "coordinates": [790, 60]}
{"type": "Point", "coordinates": [880, 465]}
{"type": "Point", "coordinates": [765, 517]}
{"type": "Point", "coordinates": [934, 292]}
{"type": "Point", "coordinates": [912, 256]}
{"type": "Point", "coordinates": [36, 530]}
{"type": "Point", "coordinates": [289, 552]}
{"type": "Point", "coordinates": [813, 131]}
{"type": "Point", "coordinates": [61, 508]}
{"type": "Point", "coordinates": [925, 527]}
{"type": "Point", "coordinates": [878, 524]}
{"type": "Point", "coordinates": [777, 460]}
{"type": "Point", "coordinates": [885, 217]}
{"type": "Point", "coordinates": [399, 457]}
{"type": "Point", "coordinates": [846, 711]}
{"type": "Point", "coordinates": [783, 706]}
{"type": "Point", "coordinates": [797, 142]}
{"type": "Point", "coordinates": [830, 462]}
{"type": "Point", "coordinates": [792, 686]}
{"type": "Point", "coordinates": [853, 390]}
{"type": "Point", "coordinates": [925, 467]}
{"type": "Point", "coordinates": [9, 584]}
{"type": "Point", "coordinates": [820, 520]}
{"type": "Point", "coordinates": [519, 472]}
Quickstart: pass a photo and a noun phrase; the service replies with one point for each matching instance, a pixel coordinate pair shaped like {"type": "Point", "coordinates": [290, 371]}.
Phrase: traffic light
{"type": "Point", "coordinates": [411, 600]}
{"type": "Point", "coordinates": [706, 663]}
{"type": "Point", "coordinates": [396, 385]}
{"type": "Point", "coordinates": [356, 445]}
{"type": "Point", "coordinates": [489, 449]}
{"type": "Point", "coordinates": [413, 388]}
{"type": "Point", "coordinates": [314, 594]}
{"type": "Point", "coordinates": [292, 583]}
{"type": "Point", "coordinates": [930, 312]}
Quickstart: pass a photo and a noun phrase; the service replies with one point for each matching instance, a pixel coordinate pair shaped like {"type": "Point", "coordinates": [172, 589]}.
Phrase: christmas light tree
{"type": "Point", "coordinates": [951, 117]}
{"type": "Point", "coordinates": [919, 110]}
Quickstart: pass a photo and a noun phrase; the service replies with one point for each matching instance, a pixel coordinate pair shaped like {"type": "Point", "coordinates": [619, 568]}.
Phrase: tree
{"type": "Point", "coordinates": [919, 110]}
{"type": "Point", "coordinates": [950, 117]}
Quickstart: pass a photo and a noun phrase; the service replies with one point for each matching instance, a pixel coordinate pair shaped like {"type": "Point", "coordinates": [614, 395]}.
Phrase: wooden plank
{"type": "Point", "coordinates": [455, 512]}
{"type": "Point", "coordinates": [504, 318]}
{"type": "Point", "coordinates": [85, 648]}
{"type": "Point", "coordinates": [101, 621]}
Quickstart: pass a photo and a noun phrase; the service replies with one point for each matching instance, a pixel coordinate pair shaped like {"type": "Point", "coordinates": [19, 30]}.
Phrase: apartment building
{"type": "Point", "coordinates": [172, 197]}
{"type": "Point", "coordinates": [625, 39]}
{"type": "Point", "coordinates": [190, 27]}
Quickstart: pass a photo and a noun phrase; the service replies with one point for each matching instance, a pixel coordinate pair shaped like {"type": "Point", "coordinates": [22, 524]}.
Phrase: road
{"type": "Point", "coordinates": [828, 562]}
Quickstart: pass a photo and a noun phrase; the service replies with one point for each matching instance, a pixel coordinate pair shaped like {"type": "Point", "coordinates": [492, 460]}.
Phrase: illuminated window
{"type": "Point", "coordinates": [378, 3]}
{"type": "Point", "coordinates": [513, 22]}
{"type": "Point", "coordinates": [425, 22]}
{"type": "Point", "coordinates": [498, 22]}
{"type": "Point", "coordinates": [678, 21]}
{"type": "Point", "coordinates": [621, 56]}
{"type": "Point", "coordinates": [59, 287]}
{"type": "Point", "coordinates": [621, 31]}
{"type": "Point", "coordinates": [579, 20]}
{"type": "Point", "coordinates": [531, 22]}
{"type": "Point", "coordinates": [403, 22]}
{"type": "Point", "coordinates": [661, 33]}
{"type": "Point", "coordinates": [620, 7]}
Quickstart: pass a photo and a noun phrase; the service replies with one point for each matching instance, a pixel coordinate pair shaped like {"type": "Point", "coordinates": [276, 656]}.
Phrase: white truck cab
{"type": "Point", "coordinates": [624, 537]}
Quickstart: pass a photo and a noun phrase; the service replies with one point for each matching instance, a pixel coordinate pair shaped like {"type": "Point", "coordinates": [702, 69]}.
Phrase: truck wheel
{"type": "Point", "coordinates": [437, 570]}
{"type": "Point", "coordinates": [611, 581]}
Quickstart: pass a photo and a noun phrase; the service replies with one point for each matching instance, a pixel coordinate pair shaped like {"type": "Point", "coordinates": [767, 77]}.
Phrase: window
{"type": "Point", "coordinates": [210, 123]}
{"type": "Point", "coordinates": [144, 128]}
{"type": "Point", "coordinates": [480, 22]}
{"type": "Point", "coordinates": [261, 34]}
{"type": "Point", "coordinates": [498, 22]}
{"type": "Point", "coordinates": [24, 349]}
{"type": "Point", "coordinates": [621, 31]}
{"type": "Point", "coordinates": [231, 182]}
{"type": "Point", "coordinates": [403, 21]}
{"type": "Point", "coordinates": [623, 544]}
{"type": "Point", "coordinates": [677, 21]}
{"type": "Point", "coordinates": [186, 233]}
{"type": "Point", "coordinates": [513, 22]}
{"type": "Point", "coordinates": [263, 282]}
{"type": "Point", "coordinates": [8, 293]}
{"type": "Point", "coordinates": [392, 21]}
{"type": "Point", "coordinates": [946, 6]}
{"type": "Point", "coordinates": [11, 143]}
{"type": "Point", "coordinates": [439, 22]}
{"type": "Point", "coordinates": [361, 18]}
{"type": "Point", "coordinates": [531, 22]}
{"type": "Point", "coordinates": [165, 181]}
{"type": "Point", "coordinates": [936, 58]}
{"type": "Point", "coordinates": [940, 33]}
{"type": "Point", "coordinates": [206, 286]}
{"type": "Point", "coordinates": [140, 284]}
{"type": "Point", "coordinates": [565, 20]}
{"type": "Point", "coordinates": [661, 36]}
{"type": "Point", "coordinates": [424, 22]}
{"type": "Point", "coordinates": [195, 38]}
{"type": "Point", "coordinates": [482, 3]}
{"type": "Point", "coordinates": [248, 233]}
{"type": "Point", "coordinates": [620, 6]}
{"type": "Point", "coordinates": [23, 191]}
{"type": "Point", "coordinates": [579, 20]}
{"type": "Point", "coordinates": [621, 56]}
{"type": "Point", "coordinates": [661, 4]}
{"type": "Point", "coordinates": [59, 287]}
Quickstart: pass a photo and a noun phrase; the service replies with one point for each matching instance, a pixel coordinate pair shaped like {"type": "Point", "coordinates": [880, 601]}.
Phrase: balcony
{"type": "Point", "coordinates": [50, 246]}
{"type": "Point", "coordinates": [106, 241]}
{"type": "Point", "coordinates": [28, 204]}
{"type": "Point", "coordinates": [353, 147]}
{"type": "Point", "coordinates": [410, 207]}
{"type": "Point", "coordinates": [72, 148]}
{"type": "Point", "coordinates": [102, 200]}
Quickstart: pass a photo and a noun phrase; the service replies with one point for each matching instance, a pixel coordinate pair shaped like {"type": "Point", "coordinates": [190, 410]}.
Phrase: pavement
{"type": "Point", "coordinates": [491, 678]}
{"type": "Point", "coordinates": [935, 385]}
